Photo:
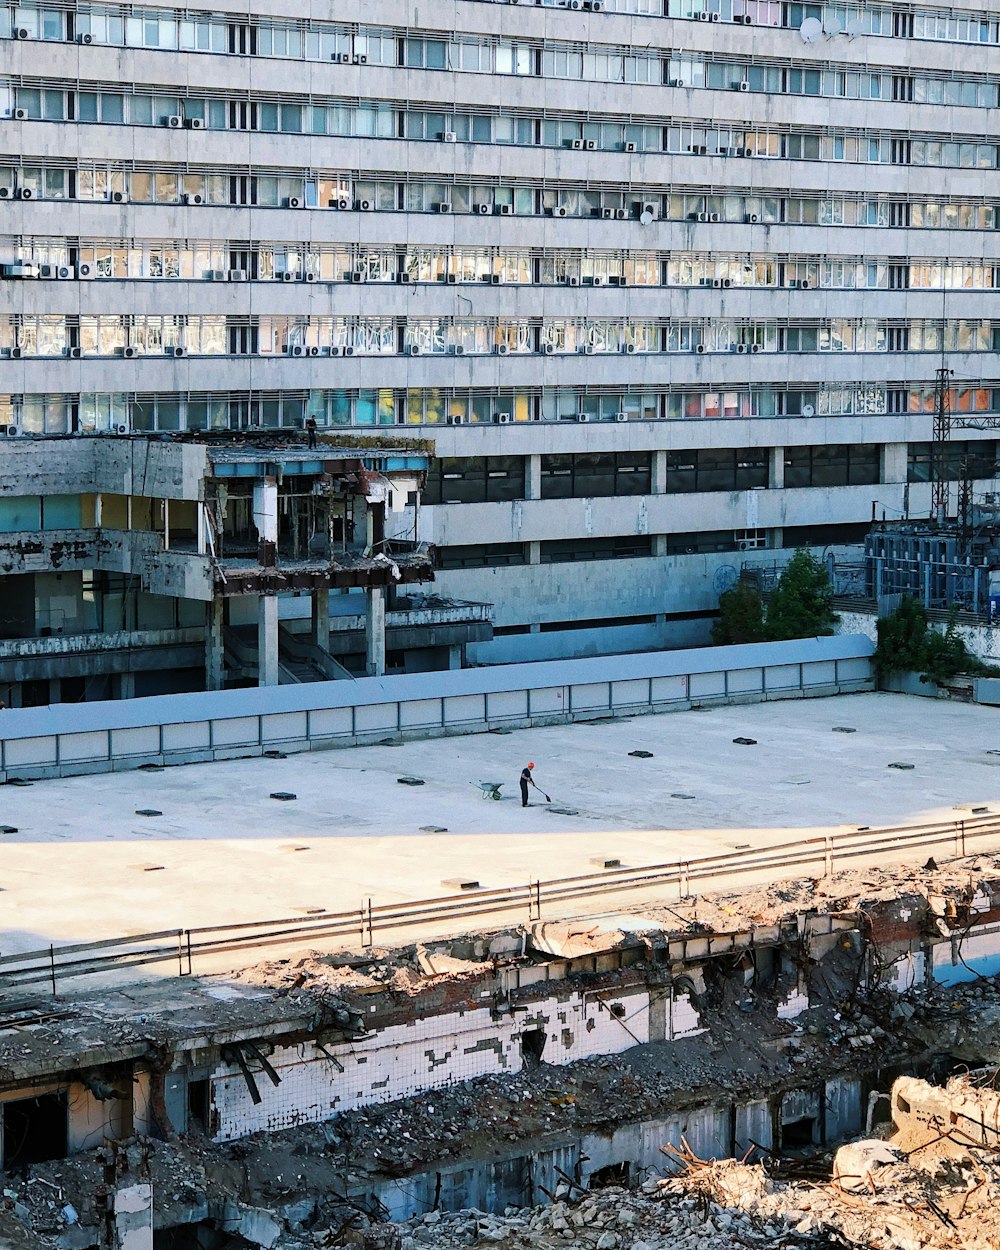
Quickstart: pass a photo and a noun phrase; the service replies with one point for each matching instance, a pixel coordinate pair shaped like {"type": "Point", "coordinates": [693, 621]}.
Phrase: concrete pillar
{"type": "Point", "coordinates": [265, 519]}
{"type": "Point", "coordinates": [201, 523]}
{"type": "Point", "coordinates": [166, 525]}
{"type": "Point", "coordinates": [534, 553]}
{"type": "Point", "coordinates": [455, 656]}
{"type": "Point", "coordinates": [658, 476]}
{"type": "Point", "coordinates": [776, 469]}
{"type": "Point", "coordinates": [267, 640]}
{"type": "Point", "coordinates": [126, 685]}
{"type": "Point", "coordinates": [375, 631]}
{"type": "Point", "coordinates": [659, 544]}
{"type": "Point", "coordinates": [533, 477]}
{"type": "Point", "coordinates": [55, 690]}
{"type": "Point", "coordinates": [895, 462]}
{"type": "Point", "coordinates": [215, 665]}
{"type": "Point", "coordinates": [98, 509]}
{"type": "Point", "coordinates": [321, 618]}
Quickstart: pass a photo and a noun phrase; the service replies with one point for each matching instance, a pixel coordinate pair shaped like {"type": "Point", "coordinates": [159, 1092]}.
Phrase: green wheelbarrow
{"type": "Point", "coordinates": [490, 789]}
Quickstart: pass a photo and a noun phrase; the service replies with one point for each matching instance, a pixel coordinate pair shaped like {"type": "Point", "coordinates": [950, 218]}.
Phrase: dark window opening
{"type": "Point", "coordinates": [532, 1045]}
{"type": "Point", "coordinates": [798, 1134]}
{"type": "Point", "coordinates": [198, 1105]}
{"type": "Point", "coordinates": [613, 1174]}
{"type": "Point", "coordinates": [34, 1130]}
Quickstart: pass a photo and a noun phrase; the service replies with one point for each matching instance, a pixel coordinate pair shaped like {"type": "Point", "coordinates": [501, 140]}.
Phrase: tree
{"type": "Point", "coordinates": [801, 605]}
{"type": "Point", "coordinates": [907, 643]}
{"type": "Point", "coordinates": [741, 615]}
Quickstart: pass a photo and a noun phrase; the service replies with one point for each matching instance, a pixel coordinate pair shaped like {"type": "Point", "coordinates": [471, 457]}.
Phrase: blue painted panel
{"type": "Point", "coordinates": [24, 512]}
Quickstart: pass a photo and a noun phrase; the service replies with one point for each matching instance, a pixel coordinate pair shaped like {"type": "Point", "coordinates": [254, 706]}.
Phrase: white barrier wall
{"type": "Point", "coordinates": [68, 739]}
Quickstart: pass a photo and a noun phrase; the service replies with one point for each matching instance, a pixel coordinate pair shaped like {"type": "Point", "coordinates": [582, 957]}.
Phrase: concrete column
{"type": "Point", "coordinates": [126, 685]}
{"type": "Point", "coordinates": [776, 469]}
{"type": "Point", "coordinates": [895, 462]}
{"type": "Point", "coordinates": [455, 656]}
{"type": "Point", "coordinates": [375, 631]}
{"type": "Point", "coordinates": [267, 640]}
{"type": "Point", "coordinates": [201, 524]}
{"type": "Point", "coordinates": [533, 477]}
{"type": "Point", "coordinates": [166, 525]}
{"type": "Point", "coordinates": [659, 544]}
{"type": "Point", "coordinates": [658, 477]}
{"type": "Point", "coordinates": [55, 690]}
{"type": "Point", "coordinates": [215, 665]}
{"type": "Point", "coordinates": [265, 519]}
{"type": "Point", "coordinates": [321, 618]}
{"type": "Point", "coordinates": [98, 509]}
{"type": "Point", "coordinates": [534, 553]}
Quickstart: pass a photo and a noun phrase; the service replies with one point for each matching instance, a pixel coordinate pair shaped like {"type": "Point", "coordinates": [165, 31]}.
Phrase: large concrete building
{"type": "Point", "coordinates": [665, 280]}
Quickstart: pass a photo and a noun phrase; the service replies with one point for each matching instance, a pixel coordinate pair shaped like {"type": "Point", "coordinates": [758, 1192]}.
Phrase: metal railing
{"type": "Point", "coordinates": [824, 852]}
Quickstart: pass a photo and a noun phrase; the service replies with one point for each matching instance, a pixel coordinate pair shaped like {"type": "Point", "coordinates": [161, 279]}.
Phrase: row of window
{"type": "Point", "coordinates": [337, 408]}
{"type": "Point", "coordinates": [114, 182]}
{"type": "Point", "coordinates": [172, 260]}
{"type": "Point", "coordinates": [387, 120]}
{"type": "Point", "coordinates": [130, 26]}
{"type": "Point", "coordinates": [139, 334]}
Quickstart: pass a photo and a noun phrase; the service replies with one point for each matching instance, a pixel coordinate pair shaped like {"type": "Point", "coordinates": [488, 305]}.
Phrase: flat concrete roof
{"type": "Point", "coordinates": [83, 865]}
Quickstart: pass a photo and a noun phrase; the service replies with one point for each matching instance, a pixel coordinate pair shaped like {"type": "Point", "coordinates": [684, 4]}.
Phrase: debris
{"type": "Point", "coordinates": [844, 729]}
{"type": "Point", "coordinates": [283, 796]}
{"type": "Point", "coordinates": [641, 755]}
{"type": "Point", "coordinates": [433, 828]}
{"type": "Point", "coordinates": [150, 768]}
{"type": "Point", "coordinates": [275, 755]}
{"type": "Point", "coordinates": [602, 862]}
{"type": "Point", "coordinates": [678, 795]}
{"type": "Point", "coordinates": [411, 781]}
{"type": "Point", "coordinates": [745, 742]}
{"type": "Point", "coordinates": [563, 811]}
{"type": "Point", "coordinates": [931, 865]}
{"type": "Point", "coordinates": [20, 781]}
{"type": "Point", "coordinates": [147, 811]}
{"type": "Point", "coordinates": [902, 767]}
{"type": "Point", "coordinates": [460, 883]}
{"type": "Point", "coordinates": [8, 829]}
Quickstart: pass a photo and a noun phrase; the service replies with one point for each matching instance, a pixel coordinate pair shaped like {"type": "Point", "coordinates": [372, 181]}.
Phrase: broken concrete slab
{"type": "Point", "coordinates": [283, 796]}
{"type": "Point", "coordinates": [411, 781]}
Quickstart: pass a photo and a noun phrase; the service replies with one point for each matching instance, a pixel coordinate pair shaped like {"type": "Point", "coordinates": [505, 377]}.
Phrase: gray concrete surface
{"type": "Point", "coordinates": [83, 865]}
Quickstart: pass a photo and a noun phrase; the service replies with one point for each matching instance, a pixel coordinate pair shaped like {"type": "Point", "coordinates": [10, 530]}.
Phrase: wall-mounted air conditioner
{"type": "Point", "coordinates": [413, 349]}
{"type": "Point", "coordinates": [174, 121]}
{"type": "Point", "coordinates": [85, 37]}
{"type": "Point", "coordinates": [340, 202]}
{"type": "Point", "coordinates": [237, 275]}
{"type": "Point", "coordinates": [503, 418]}
{"type": "Point", "coordinates": [194, 123]}
{"type": "Point", "coordinates": [192, 199]}
{"type": "Point", "coordinates": [296, 349]}
{"type": "Point", "coordinates": [129, 353]}
{"type": "Point", "coordinates": [292, 201]}
{"type": "Point", "coordinates": [24, 193]}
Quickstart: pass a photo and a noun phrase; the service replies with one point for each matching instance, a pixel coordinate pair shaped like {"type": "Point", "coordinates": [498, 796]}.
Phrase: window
{"type": "Point", "coordinates": [595, 475]}
{"type": "Point", "coordinates": [845, 464]}
{"type": "Point", "coordinates": [474, 479]}
{"type": "Point", "coordinates": [716, 469]}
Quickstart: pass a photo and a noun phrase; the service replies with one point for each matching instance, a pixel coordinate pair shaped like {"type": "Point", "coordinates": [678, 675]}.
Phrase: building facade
{"type": "Point", "coordinates": [667, 281]}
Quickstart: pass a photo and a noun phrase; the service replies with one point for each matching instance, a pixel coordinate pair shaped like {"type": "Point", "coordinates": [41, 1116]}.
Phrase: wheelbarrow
{"type": "Point", "coordinates": [490, 789]}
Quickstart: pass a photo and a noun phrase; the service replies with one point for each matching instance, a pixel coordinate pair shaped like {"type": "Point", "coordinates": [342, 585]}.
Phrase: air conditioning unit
{"type": "Point", "coordinates": [116, 197]}
{"type": "Point", "coordinates": [700, 216]}
{"type": "Point", "coordinates": [174, 121]}
{"type": "Point", "coordinates": [675, 82]}
{"type": "Point", "coordinates": [459, 420]}
{"type": "Point", "coordinates": [122, 428]}
{"type": "Point", "coordinates": [442, 206]}
{"type": "Point", "coordinates": [20, 115]}
{"type": "Point", "coordinates": [715, 17]}
{"type": "Point", "coordinates": [341, 58]}
{"type": "Point", "coordinates": [573, 281]}
{"type": "Point", "coordinates": [84, 271]}
{"type": "Point", "coordinates": [804, 284]}
{"type": "Point", "coordinates": [628, 349]}
{"type": "Point", "coordinates": [286, 275]}
{"type": "Point", "coordinates": [575, 144]}
{"type": "Point", "coordinates": [586, 349]}
{"type": "Point", "coordinates": [741, 348]}
{"type": "Point", "coordinates": [312, 351]}
{"type": "Point", "coordinates": [85, 38]}
{"type": "Point", "coordinates": [296, 349]}
{"type": "Point", "coordinates": [752, 219]}
{"type": "Point", "coordinates": [16, 353]}
{"type": "Point", "coordinates": [620, 214]}
{"type": "Point", "coordinates": [360, 58]}
{"type": "Point", "coordinates": [559, 211]}
{"type": "Point", "coordinates": [546, 349]}
{"type": "Point", "coordinates": [501, 349]}
{"type": "Point", "coordinates": [448, 136]}
{"type": "Point", "coordinates": [590, 144]}
{"type": "Point", "coordinates": [483, 210]}
{"type": "Point", "coordinates": [237, 275]}
{"type": "Point", "coordinates": [65, 272]}
{"type": "Point", "coordinates": [621, 416]}
{"type": "Point", "coordinates": [726, 283]}
{"type": "Point", "coordinates": [505, 210]}
{"type": "Point", "coordinates": [21, 32]}
{"type": "Point", "coordinates": [503, 418]}
{"type": "Point", "coordinates": [608, 214]}
{"type": "Point", "coordinates": [215, 275]}
{"type": "Point", "coordinates": [700, 349]}
{"type": "Point", "coordinates": [5, 193]}
{"type": "Point", "coordinates": [291, 201]}
{"type": "Point", "coordinates": [340, 202]}
{"type": "Point", "coordinates": [130, 353]}
{"type": "Point", "coordinates": [451, 279]}
{"type": "Point", "coordinates": [404, 278]}
{"type": "Point", "coordinates": [597, 280]}
{"type": "Point", "coordinates": [192, 199]}
{"type": "Point", "coordinates": [713, 217]}
{"type": "Point", "coordinates": [617, 279]}
{"type": "Point", "coordinates": [355, 275]}
{"type": "Point", "coordinates": [583, 417]}
{"type": "Point", "coordinates": [755, 348]}
{"type": "Point", "coordinates": [413, 350]}
{"type": "Point", "coordinates": [717, 283]}
{"type": "Point", "coordinates": [24, 193]}
{"type": "Point", "coordinates": [808, 410]}
{"type": "Point", "coordinates": [19, 269]}
{"type": "Point", "coordinates": [347, 351]}
{"type": "Point", "coordinates": [13, 431]}
{"type": "Point", "coordinates": [364, 206]}
{"type": "Point", "coordinates": [456, 349]}
{"type": "Point", "coordinates": [747, 20]}
{"type": "Point", "coordinates": [648, 210]}
{"type": "Point", "coordinates": [74, 353]}
{"type": "Point", "coordinates": [47, 271]}
{"type": "Point", "coordinates": [702, 17]}
{"type": "Point", "coordinates": [178, 352]}
{"type": "Point", "coordinates": [493, 278]}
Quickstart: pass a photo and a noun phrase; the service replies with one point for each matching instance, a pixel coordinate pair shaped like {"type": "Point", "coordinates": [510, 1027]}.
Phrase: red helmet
{"type": "Point", "coordinates": [531, 766]}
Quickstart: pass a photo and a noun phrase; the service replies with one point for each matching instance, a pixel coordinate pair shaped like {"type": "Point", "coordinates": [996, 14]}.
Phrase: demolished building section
{"type": "Point", "coordinates": [136, 566]}
{"type": "Point", "coordinates": [493, 1070]}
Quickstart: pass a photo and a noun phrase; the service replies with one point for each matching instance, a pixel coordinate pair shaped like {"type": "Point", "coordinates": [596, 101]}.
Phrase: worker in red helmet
{"type": "Point", "coordinates": [526, 780]}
